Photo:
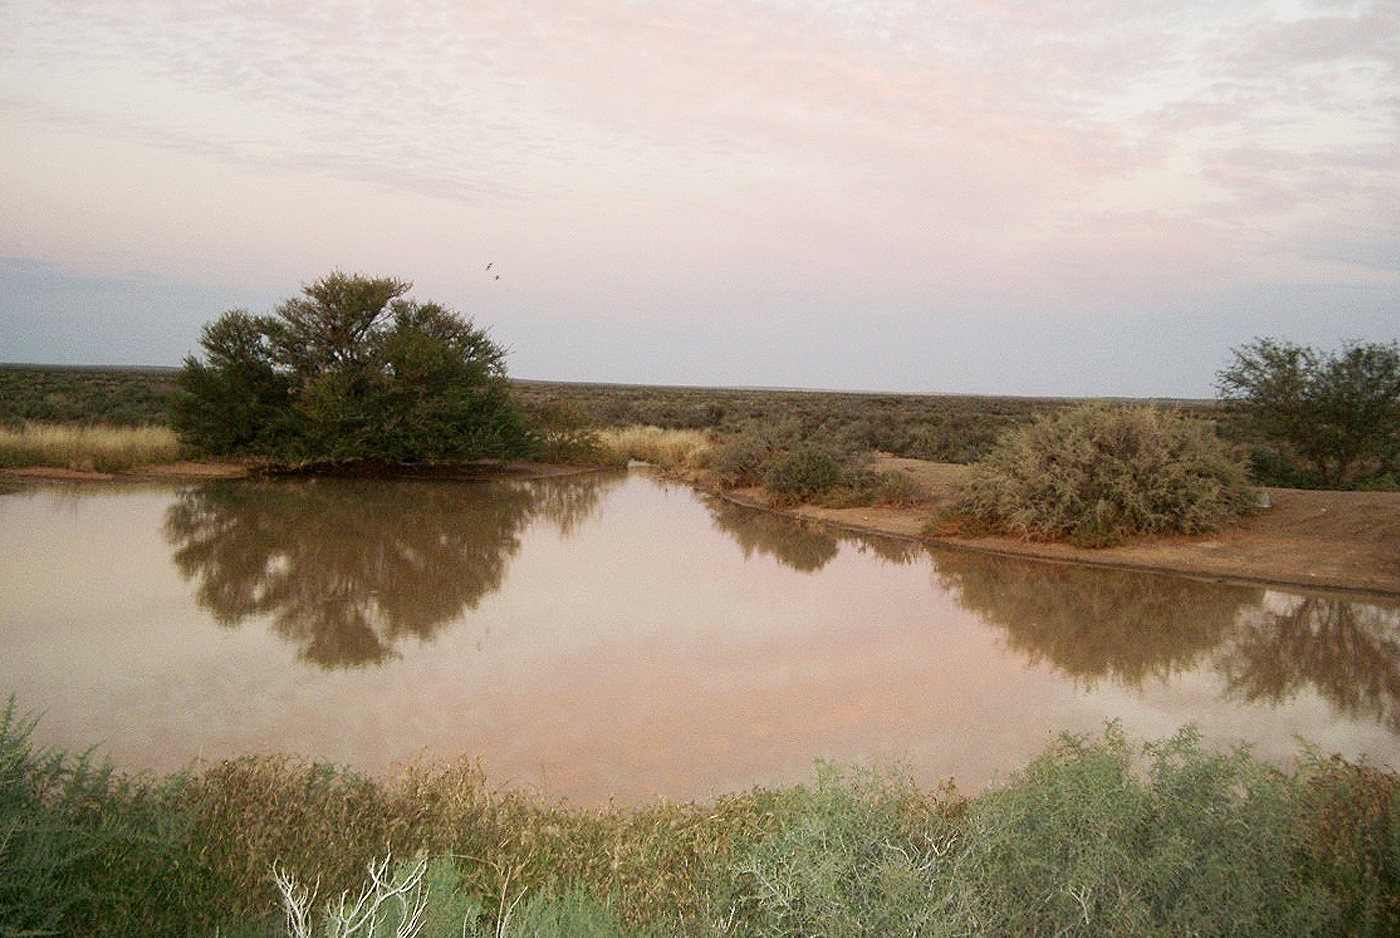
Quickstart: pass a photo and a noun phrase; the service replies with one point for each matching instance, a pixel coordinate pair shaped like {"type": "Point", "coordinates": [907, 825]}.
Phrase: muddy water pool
{"type": "Point", "coordinates": [613, 636]}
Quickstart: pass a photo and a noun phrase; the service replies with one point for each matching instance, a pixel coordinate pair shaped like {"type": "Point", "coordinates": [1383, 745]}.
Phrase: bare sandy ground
{"type": "Point", "coordinates": [1327, 540]}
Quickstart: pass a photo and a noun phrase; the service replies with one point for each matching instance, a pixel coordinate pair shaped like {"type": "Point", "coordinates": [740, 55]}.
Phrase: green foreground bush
{"type": "Point", "coordinates": [1096, 474]}
{"type": "Point", "coordinates": [1094, 837]}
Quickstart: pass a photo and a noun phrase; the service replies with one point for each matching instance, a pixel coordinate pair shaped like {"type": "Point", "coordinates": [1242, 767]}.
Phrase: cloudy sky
{"type": "Point", "coordinates": [1067, 197]}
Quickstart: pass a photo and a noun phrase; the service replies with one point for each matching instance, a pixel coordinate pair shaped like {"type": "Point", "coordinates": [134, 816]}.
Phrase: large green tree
{"type": "Point", "coordinates": [350, 370]}
{"type": "Point", "coordinates": [1336, 413]}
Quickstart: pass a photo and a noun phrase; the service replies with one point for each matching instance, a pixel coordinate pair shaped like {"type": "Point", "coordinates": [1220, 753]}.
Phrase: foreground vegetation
{"type": "Point", "coordinates": [1095, 837]}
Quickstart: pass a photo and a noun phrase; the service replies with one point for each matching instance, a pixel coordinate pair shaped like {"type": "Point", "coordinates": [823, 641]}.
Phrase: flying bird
{"type": "Point", "coordinates": [488, 266]}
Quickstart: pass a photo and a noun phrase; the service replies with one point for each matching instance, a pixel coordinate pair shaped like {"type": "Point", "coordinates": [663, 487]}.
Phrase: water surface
{"type": "Point", "coordinates": [610, 636]}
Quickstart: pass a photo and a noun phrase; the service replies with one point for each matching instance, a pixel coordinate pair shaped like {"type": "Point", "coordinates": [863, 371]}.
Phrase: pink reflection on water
{"type": "Point", "coordinates": [654, 646]}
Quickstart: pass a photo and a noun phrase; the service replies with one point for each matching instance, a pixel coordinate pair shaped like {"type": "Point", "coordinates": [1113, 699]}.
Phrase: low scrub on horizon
{"type": "Point", "coordinates": [88, 448]}
{"type": "Point", "coordinates": [123, 397]}
{"type": "Point", "coordinates": [1097, 836]}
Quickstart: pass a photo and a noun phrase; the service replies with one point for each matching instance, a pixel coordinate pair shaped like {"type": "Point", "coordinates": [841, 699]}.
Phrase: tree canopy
{"type": "Point", "coordinates": [1337, 414]}
{"type": "Point", "coordinates": [350, 370]}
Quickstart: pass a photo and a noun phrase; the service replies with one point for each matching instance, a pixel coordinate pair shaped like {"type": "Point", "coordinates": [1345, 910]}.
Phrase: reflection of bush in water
{"type": "Point", "coordinates": [796, 544]}
{"type": "Point", "coordinates": [347, 568]}
{"type": "Point", "coordinates": [1349, 652]}
{"type": "Point", "coordinates": [1092, 622]}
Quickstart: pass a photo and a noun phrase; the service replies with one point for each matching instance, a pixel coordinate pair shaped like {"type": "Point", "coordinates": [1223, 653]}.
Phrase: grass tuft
{"type": "Point", "coordinates": [87, 448]}
{"type": "Point", "coordinates": [673, 449]}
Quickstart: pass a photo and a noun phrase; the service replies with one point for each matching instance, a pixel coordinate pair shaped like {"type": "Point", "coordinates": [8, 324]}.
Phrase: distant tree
{"type": "Point", "coordinates": [350, 371]}
{"type": "Point", "coordinates": [1338, 414]}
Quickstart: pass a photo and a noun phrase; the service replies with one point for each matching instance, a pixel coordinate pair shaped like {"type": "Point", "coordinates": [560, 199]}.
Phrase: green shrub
{"type": "Point", "coordinates": [739, 461]}
{"type": "Point", "coordinates": [867, 487]}
{"type": "Point", "coordinates": [802, 473]}
{"type": "Point", "coordinates": [860, 855]}
{"type": "Point", "coordinates": [85, 850]}
{"type": "Point", "coordinates": [572, 915]}
{"type": "Point", "coordinates": [1081, 843]}
{"type": "Point", "coordinates": [561, 434]}
{"type": "Point", "coordinates": [1337, 413]}
{"type": "Point", "coordinates": [350, 371]}
{"type": "Point", "coordinates": [1098, 473]}
{"type": "Point", "coordinates": [1352, 816]}
{"type": "Point", "coordinates": [420, 898]}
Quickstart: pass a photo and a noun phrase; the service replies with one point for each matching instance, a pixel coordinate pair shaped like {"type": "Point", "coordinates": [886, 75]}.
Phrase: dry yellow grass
{"type": "Point", "coordinates": [87, 448]}
{"type": "Point", "coordinates": [669, 449]}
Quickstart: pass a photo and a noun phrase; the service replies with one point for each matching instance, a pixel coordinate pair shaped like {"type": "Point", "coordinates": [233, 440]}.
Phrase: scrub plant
{"type": "Point", "coordinates": [1351, 813]}
{"type": "Point", "coordinates": [419, 898]}
{"type": "Point", "coordinates": [1087, 841]}
{"type": "Point", "coordinates": [863, 854]}
{"type": "Point", "coordinates": [739, 461]}
{"type": "Point", "coordinates": [85, 849]}
{"type": "Point", "coordinates": [1098, 473]}
{"type": "Point", "coordinates": [561, 434]}
{"type": "Point", "coordinates": [802, 474]}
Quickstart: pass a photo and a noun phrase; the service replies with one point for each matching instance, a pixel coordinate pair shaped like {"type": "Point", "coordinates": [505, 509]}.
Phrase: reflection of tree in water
{"type": "Point", "coordinates": [348, 568]}
{"type": "Point", "coordinates": [1349, 652]}
{"type": "Point", "coordinates": [568, 501]}
{"type": "Point", "coordinates": [1092, 622]}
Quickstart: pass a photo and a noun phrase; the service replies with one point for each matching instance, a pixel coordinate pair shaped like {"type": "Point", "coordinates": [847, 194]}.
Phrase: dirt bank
{"type": "Point", "coordinates": [1329, 540]}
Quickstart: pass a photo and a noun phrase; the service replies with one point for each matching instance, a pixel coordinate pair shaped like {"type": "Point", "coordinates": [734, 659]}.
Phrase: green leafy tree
{"type": "Point", "coordinates": [350, 371]}
{"type": "Point", "coordinates": [237, 401]}
{"type": "Point", "coordinates": [1338, 414]}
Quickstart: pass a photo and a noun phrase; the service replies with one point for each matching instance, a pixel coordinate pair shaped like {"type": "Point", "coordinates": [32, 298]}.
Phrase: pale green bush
{"type": "Point", "coordinates": [1085, 841]}
{"type": "Point", "coordinates": [739, 461]}
{"type": "Point", "coordinates": [801, 474]}
{"type": "Point", "coordinates": [1098, 473]}
{"type": "Point", "coordinates": [863, 854]}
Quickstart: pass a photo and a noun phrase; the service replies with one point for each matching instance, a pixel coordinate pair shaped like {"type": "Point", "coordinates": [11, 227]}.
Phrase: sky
{"type": "Point", "coordinates": [1026, 197]}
